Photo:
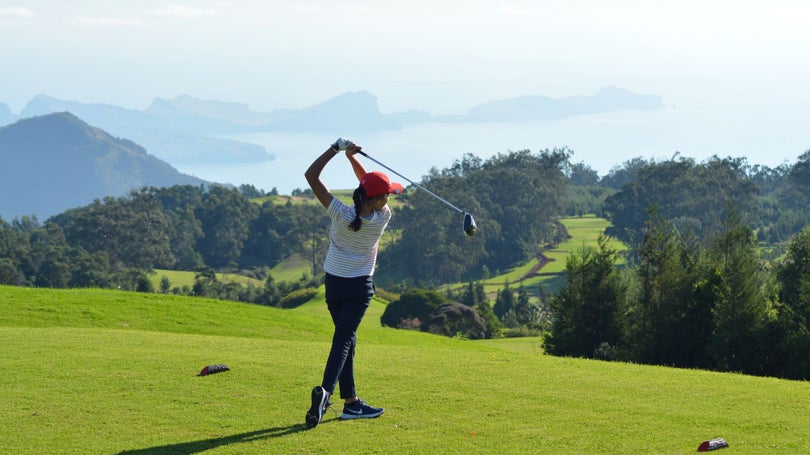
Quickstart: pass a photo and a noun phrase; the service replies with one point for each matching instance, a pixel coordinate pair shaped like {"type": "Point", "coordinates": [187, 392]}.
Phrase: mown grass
{"type": "Point", "coordinates": [584, 233]}
{"type": "Point", "coordinates": [180, 278]}
{"type": "Point", "coordinates": [94, 371]}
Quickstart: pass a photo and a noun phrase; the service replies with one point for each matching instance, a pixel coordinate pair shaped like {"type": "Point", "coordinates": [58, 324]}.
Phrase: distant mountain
{"type": "Point", "coordinates": [188, 114]}
{"type": "Point", "coordinates": [54, 162]}
{"type": "Point", "coordinates": [104, 116]}
{"type": "Point", "coordinates": [180, 138]}
{"type": "Point", "coordinates": [6, 116]}
{"type": "Point", "coordinates": [180, 148]}
{"type": "Point", "coordinates": [351, 111]}
{"type": "Point", "coordinates": [355, 111]}
{"type": "Point", "coordinates": [186, 129]}
{"type": "Point", "coordinates": [526, 108]}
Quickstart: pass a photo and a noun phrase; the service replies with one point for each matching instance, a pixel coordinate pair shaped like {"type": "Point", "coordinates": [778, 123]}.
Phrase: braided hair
{"type": "Point", "coordinates": [359, 198]}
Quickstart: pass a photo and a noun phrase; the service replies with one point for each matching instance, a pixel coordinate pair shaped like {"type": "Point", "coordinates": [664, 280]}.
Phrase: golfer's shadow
{"type": "Point", "coordinates": [208, 444]}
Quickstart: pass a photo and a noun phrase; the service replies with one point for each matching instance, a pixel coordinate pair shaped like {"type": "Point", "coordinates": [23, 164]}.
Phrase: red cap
{"type": "Point", "coordinates": [376, 184]}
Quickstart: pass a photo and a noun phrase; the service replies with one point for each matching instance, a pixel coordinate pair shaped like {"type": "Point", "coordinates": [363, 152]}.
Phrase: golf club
{"type": "Point", "coordinates": [469, 222]}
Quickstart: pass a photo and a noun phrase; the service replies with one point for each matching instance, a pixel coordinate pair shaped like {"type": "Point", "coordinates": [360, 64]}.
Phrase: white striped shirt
{"type": "Point", "coordinates": [352, 254]}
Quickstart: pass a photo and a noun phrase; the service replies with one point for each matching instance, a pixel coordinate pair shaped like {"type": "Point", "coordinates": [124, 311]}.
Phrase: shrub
{"type": "Point", "coordinates": [297, 298]}
{"type": "Point", "coordinates": [412, 304]}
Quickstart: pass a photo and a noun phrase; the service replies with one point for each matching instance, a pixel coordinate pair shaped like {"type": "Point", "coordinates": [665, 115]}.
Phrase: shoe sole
{"type": "Point", "coordinates": [345, 416]}
{"type": "Point", "coordinates": [315, 413]}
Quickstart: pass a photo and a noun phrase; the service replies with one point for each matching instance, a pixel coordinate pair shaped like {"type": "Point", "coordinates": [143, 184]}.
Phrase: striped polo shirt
{"type": "Point", "coordinates": [353, 254]}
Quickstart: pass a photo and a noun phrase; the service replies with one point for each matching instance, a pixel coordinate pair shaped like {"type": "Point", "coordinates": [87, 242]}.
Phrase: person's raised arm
{"type": "Point", "coordinates": [313, 176]}
{"type": "Point", "coordinates": [357, 166]}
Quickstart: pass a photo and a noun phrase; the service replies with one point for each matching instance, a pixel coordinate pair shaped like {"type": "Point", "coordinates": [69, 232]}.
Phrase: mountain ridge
{"type": "Point", "coordinates": [188, 130]}
{"type": "Point", "coordinates": [57, 161]}
{"type": "Point", "coordinates": [232, 117]}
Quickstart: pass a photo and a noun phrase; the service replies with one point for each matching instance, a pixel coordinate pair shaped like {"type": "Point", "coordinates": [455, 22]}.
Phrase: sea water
{"type": "Point", "coordinates": [769, 137]}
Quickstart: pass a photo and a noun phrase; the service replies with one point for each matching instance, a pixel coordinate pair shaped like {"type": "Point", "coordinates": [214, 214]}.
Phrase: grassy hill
{"type": "Point", "coordinates": [583, 232]}
{"type": "Point", "coordinates": [96, 371]}
{"type": "Point", "coordinates": [180, 278]}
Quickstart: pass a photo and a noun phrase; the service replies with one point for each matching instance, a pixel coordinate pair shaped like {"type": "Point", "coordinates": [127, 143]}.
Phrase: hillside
{"type": "Point", "coordinates": [90, 371]}
{"type": "Point", "coordinates": [6, 116]}
{"type": "Point", "coordinates": [175, 136]}
{"type": "Point", "coordinates": [54, 162]}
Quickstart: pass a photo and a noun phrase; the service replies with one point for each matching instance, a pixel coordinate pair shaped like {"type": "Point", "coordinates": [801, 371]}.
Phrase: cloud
{"type": "Point", "coordinates": [181, 11]}
{"type": "Point", "coordinates": [145, 18]}
{"type": "Point", "coordinates": [18, 12]}
{"type": "Point", "coordinates": [511, 9]}
{"type": "Point", "coordinates": [104, 22]}
{"type": "Point", "coordinates": [12, 14]}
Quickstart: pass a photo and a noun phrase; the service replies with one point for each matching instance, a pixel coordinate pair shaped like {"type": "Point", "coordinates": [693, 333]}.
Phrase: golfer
{"type": "Point", "coordinates": [353, 242]}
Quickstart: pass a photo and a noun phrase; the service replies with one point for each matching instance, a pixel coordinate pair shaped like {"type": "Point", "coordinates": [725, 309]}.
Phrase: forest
{"type": "Point", "coordinates": [716, 273]}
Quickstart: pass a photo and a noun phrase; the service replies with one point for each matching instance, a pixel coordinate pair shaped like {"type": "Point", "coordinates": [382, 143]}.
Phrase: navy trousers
{"type": "Point", "coordinates": [347, 300]}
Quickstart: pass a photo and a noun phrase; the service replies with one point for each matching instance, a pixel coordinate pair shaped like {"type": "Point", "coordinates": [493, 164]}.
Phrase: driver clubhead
{"type": "Point", "coordinates": [469, 225]}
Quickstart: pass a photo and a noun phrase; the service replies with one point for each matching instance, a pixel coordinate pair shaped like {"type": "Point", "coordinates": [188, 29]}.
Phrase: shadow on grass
{"type": "Point", "coordinates": [208, 444]}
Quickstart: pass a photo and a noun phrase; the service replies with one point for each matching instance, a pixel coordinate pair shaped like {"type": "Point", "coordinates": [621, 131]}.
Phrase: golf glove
{"type": "Point", "coordinates": [341, 144]}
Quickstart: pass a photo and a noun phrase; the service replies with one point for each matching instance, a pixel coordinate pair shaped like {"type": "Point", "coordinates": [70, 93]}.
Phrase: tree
{"type": "Point", "coordinates": [133, 232]}
{"type": "Point", "coordinates": [664, 322]}
{"type": "Point", "coordinates": [13, 250]}
{"type": "Point", "coordinates": [514, 197]}
{"type": "Point", "coordinates": [165, 284]}
{"type": "Point", "coordinates": [145, 232]}
{"type": "Point", "coordinates": [89, 270]}
{"type": "Point", "coordinates": [525, 193]}
{"type": "Point", "coordinates": [49, 251]}
{"type": "Point", "coordinates": [619, 175]}
{"type": "Point", "coordinates": [186, 231]}
{"type": "Point", "coordinates": [224, 215]}
{"type": "Point", "coordinates": [739, 311]}
{"type": "Point", "coordinates": [799, 176]}
{"type": "Point", "coordinates": [9, 274]}
{"type": "Point", "coordinates": [250, 191]}
{"type": "Point", "coordinates": [206, 283]}
{"type": "Point", "coordinates": [586, 309]}
{"type": "Point", "coordinates": [473, 294]}
{"type": "Point", "coordinates": [581, 174]}
{"type": "Point", "coordinates": [493, 325]}
{"type": "Point", "coordinates": [504, 302]}
{"type": "Point", "coordinates": [793, 316]}
{"type": "Point", "coordinates": [687, 193]}
{"type": "Point", "coordinates": [526, 312]}
{"type": "Point", "coordinates": [314, 228]}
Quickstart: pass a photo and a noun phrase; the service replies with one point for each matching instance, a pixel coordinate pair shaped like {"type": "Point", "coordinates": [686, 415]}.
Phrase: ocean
{"type": "Point", "coordinates": [768, 137]}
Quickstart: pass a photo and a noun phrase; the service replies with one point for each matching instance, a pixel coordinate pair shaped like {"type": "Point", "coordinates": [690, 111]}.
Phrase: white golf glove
{"type": "Point", "coordinates": [341, 144]}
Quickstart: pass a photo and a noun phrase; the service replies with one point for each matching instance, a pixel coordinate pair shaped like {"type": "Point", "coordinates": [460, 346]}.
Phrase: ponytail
{"type": "Point", "coordinates": [359, 198]}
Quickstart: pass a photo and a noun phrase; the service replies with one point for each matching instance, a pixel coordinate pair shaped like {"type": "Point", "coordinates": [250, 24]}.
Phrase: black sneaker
{"type": "Point", "coordinates": [360, 410]}
{"type": "Point", "coordinates": [320, 401]}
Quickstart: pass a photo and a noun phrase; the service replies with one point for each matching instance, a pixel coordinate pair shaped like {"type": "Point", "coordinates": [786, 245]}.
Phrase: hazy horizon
{"type": "Point", "coordinates": [737, 69]}
{"type": "Point", "coordinates": [442, 57]}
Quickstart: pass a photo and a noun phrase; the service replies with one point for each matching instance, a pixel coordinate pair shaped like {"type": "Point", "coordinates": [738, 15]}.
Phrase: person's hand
{"type": "Point", "coordinates": [341, 144]}
{"type": "Point", "coordinates": [352, 148]}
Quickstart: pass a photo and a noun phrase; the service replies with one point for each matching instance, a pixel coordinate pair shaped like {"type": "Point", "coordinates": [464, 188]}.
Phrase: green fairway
{"type": "Point", "coordinates": [179, 278]}
{"type": "Point", "coordinates": [92, 371]}
{"type": "Point", "coordinates": [583, 233]}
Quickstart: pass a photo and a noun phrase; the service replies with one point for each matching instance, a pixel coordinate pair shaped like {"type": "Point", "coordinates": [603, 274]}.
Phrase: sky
{"type": "Point", "coordinates": [440, 56]}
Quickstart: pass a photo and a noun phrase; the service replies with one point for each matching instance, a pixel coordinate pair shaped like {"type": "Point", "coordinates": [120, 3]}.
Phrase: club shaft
{"type": "Point", "coordinates": [415, 184]}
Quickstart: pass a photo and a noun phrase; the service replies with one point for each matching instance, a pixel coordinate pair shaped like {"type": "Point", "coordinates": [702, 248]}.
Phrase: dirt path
{"type": "Point", "coordinates": [542, 259]}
